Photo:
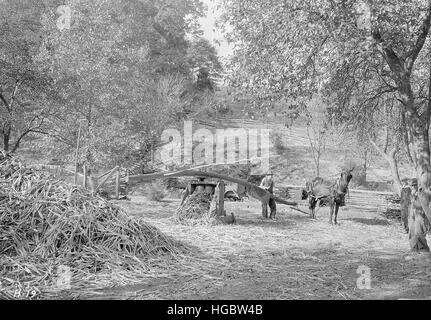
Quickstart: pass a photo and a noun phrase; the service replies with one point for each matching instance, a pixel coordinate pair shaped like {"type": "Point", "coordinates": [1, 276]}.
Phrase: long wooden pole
{"type": "Point", "coordinates": [307, 213]}
{"type": "Point", "coordinates": [231, 179]}
{"type": "Point", "coordinates": [117, 184]}
{"type": "Point", "coordinates": [221, 199]}
{"type": "Point", "coordinates": [75, 178]}
{"type": "Point", "coordinates": [127, 182]}
{"type": "Point", "coordinates": [153, 176]}
{"type": "Point", "coordinates": [84, 182]}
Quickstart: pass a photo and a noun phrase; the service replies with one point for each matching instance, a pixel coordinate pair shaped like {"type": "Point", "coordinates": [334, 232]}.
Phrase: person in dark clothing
{"type": "Point", "coordinates": [267, 183]}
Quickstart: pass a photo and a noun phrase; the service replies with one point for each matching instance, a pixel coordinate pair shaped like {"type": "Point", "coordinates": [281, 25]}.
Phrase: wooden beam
{"type": "Point", "coordinates": [107, 172]}
{"type": "Point", "coordinates": [127, 182]}
{"type": "Point", "coordinates": [293, 208]}
{"type": "Point", "coordinates": [117, 184]}
{"type": "Point", "coordinates": [75, 178]}
{"type": "Point", "coordinates": [221, 199]}
{"type": "Point", "coordinates": [152, 176]}
{"type": "Point", "coordinates": [231, 179]}
{"type": "Point", "coordinates": [137, 178]}
{"type": "Point", "coordinates": [84, 180]}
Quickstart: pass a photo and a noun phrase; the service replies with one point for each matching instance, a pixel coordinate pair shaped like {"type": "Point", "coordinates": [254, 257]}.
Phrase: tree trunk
{"type": "Point", "coordinates": [411, 156]}
{"type": "Point", "coordinates": [417, 229]}
{"type": "Point", "coordinates": [6, 140]}
{"type": "Point", "coordinates": [424, 174]}
{"type": "Point", "coordinates": [420, 137]}
{"type": "Point", "coordinates": [391, 159]}
{"type": "Point", "coordinates": [365, 167]}
{"type": "Point", "coordinates": [417, 124]}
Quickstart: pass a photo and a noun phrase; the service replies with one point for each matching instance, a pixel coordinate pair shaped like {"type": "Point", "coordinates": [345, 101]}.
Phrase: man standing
{"type": "Point", "coordinates": [417, 218]}
{"type": "Point", "coordinates": [268, 184]}
{"type": "Point", "coordinates": [406, 194]}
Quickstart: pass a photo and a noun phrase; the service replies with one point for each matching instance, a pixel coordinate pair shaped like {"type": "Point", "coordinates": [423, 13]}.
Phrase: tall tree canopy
{"type": "Point", "coordinates": [127, 68]}
{"type": "Point", "coordinates": [27, 91]}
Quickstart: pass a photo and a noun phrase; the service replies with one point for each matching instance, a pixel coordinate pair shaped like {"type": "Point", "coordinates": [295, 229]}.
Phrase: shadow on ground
{"type": "Point", "coordinates": [371, 222]}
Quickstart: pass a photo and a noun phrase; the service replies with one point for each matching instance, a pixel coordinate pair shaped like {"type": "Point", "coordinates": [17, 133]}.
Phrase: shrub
{"type": "Point", "coordinates": [278, 143]}
{"type": "Point", "coordinates": [156, 192]}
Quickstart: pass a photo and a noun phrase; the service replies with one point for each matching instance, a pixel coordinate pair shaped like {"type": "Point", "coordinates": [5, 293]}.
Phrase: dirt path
{"type": "Point", "coordinates": [290, 258]}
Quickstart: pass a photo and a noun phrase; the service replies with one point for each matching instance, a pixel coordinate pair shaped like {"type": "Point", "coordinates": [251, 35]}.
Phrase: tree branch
{"type": "Point", "coordinates": [18, 141]}
{"type": "Point", "coordinates": [3, 99]}
{"type": "Point", "coordinates": [56, 136]}
{"type": "Point", "coordinates": [12, 98]}
{"type": "Point", "coordinates": [388, 53]}
{"type": "Point", "coordinates": [377, 147]}
{"type": "Point", "coordinates": [413, 54]}
{"type": "Point", "coordinates": [428, 109]}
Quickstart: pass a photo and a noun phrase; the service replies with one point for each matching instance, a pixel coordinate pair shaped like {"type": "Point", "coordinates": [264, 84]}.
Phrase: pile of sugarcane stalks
{"type": "Point", "coordinates": [195, 209]}
{"type": "Point", "coordinates": [57, 236]}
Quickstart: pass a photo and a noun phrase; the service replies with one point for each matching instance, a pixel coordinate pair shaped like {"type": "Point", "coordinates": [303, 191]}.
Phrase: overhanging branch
{"type": "Point", "coordinates": [413, 54]}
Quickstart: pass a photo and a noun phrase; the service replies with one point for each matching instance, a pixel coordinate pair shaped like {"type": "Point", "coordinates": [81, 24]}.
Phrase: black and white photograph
{"type": "Point", "coordinates": [226, 152]}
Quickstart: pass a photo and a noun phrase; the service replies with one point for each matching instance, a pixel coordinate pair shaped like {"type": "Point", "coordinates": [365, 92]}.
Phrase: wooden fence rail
{"type": "Point", "coordinates": [366, 200]}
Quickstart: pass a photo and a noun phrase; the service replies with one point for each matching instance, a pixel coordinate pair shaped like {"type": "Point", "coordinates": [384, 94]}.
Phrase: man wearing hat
{"type": "Point", "coordinates": [414, 184]}
{"type": "Point", "coordinates": [408, 188]}
{"type": "Point", "coordinates": [268, 184]}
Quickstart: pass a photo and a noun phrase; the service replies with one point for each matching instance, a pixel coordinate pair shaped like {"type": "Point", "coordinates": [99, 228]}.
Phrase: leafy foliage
{"type": "Point", "coordinates": [122, 71]}
{"type": "Point", "coordinates": [297, 48]}
{"type": "Point", "coordinates": [28, 95]}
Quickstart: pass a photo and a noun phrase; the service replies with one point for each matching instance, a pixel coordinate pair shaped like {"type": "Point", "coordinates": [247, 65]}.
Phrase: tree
{"type": "Point", "coordinates": [318, 129]}
{"type": "Point", "coordinates": [107, 43]}
{"type": "Point", "coordinates": [203, 60]}
{"type": "Point", "coordinates": [299, 47]}
{"type": "Point", "coordinates": [27, 93]}
{"type": "Point", "coordinates": [388, 149]}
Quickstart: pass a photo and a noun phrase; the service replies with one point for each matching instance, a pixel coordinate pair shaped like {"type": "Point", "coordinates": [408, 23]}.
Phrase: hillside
{"type": "Point", "coordinates": [290, 154]}
{"type": "Point", "coordinates": [291, 159]}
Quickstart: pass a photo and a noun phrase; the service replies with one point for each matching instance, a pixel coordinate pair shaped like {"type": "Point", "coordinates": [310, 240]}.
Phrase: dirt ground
{"type": "Point", "coordinates": [292, 257]}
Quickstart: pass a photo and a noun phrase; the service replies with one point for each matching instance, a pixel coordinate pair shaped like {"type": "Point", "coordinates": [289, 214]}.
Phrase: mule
{"type": "Point", "coordinates": [318, 190]}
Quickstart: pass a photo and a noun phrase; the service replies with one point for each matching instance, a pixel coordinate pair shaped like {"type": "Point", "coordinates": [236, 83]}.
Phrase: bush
{"type": "Point", "coordinates": [359, 177]}
{"type": "Point", "coordinates": [155, 192]}
{"type": "Point", "coordinates": [278, 143]}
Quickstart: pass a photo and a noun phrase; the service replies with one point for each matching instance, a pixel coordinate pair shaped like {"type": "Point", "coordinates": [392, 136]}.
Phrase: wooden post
{"type": "Point", "coordinates": [84, 180]}
{"type": "Point", "coordinates": [117, 184]}
{"type": "Point", "coordinates": [94, 184]}
{"type": "Point", "coordinates": [127, 182]}
{"type": "Point", "coordinates": [221, 199]}
{"type": "Point", "coordinates": [75, 178]}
